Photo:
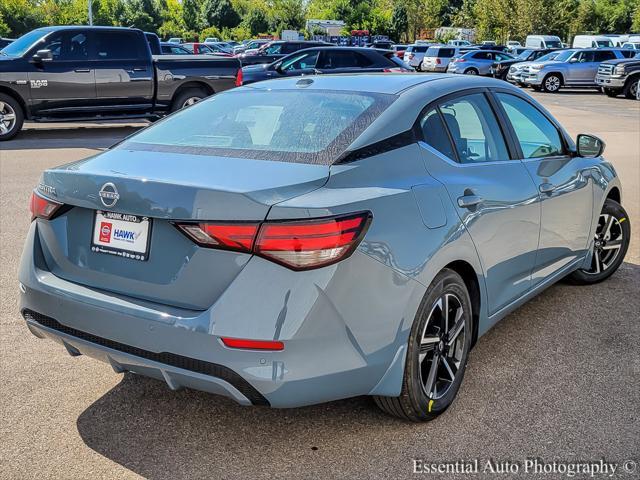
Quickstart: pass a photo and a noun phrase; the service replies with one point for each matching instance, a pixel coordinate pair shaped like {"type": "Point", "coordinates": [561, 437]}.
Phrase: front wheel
{"type": "Point", "coordinates": [437, 352]}
{"type": "Point", "coordinates": [551, 83]}
{"type": "Point", "coordinates": [610, 245]}
{"type": "Point", "coordinates": [471, 71]}
{"type": "Point", "coordinates": [631, 88]}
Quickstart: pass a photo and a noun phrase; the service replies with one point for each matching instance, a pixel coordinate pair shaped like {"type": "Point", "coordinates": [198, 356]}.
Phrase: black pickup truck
{"type": "Point", "coordinates": [100, 73]}
{"type": "Point", "coordinates": [620, 77]}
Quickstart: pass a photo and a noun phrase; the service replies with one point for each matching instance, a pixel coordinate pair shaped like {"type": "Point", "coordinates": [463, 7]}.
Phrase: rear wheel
{"type": "Point", "coordinates": [188, 97]}
{"type": "Point", "coordinates": [631, 88]}
{"type": "Point", "coordinates": [611, 242]}
{"type": "Point", "coordinates": [11, 117]}
{"type": "Point", "coordinates": [471, 71]}
{"type": "Point", "coordinates": [437, 353]}
{"type": "Point", "coordinates": [551, 83]}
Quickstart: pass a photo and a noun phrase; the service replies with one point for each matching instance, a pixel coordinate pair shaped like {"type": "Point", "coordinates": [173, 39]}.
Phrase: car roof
{"type": "Point", "coordinates": [365, 82]}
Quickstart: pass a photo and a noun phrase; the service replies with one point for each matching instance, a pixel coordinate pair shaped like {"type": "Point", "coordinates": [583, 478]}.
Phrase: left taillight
{"type": "Point", "coordinates": [239, 78]}
{"type": "Point", "coordinates": [297, 244]}
{"type": "Point", "coordinates": [42, 207]}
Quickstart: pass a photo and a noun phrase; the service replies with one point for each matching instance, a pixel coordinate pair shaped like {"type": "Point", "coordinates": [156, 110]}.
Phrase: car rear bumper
{"type": "Point", "coordinates": [610, 81]}
{"type": "Point", "coordinates": [434, 68]}
{"type": "Point", "coordinates": [337, 345]}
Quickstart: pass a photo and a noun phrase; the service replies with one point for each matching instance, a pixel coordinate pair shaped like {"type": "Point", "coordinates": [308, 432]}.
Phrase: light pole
{"type": "Point", "coordinates": [90, 13]}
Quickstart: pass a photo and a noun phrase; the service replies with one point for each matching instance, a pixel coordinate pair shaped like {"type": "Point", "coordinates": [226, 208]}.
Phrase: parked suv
{"type": "Point", "coordinates": [414, 54]}
{"type": "Point", "coordinates": [620, 76]}
{"type": "Point", "coordinates": [436, 59]}
{"type": "Point", "coordinates": [571, 68]}
{"type": "Point", "coordinates": [518, 71]}
{"type": "Point", "coordinates": [477, 62]}
{"type": "Point", "coordinates": [500, 69]}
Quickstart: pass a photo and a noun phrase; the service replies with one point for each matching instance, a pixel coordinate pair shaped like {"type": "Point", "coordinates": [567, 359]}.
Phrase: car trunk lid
{"type": "Point", "coordinates": [165, 187]}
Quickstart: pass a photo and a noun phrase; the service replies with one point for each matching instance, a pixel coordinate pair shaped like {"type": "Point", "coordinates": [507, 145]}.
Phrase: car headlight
{"type": "Point", "coordinates": [536, 68]}
{"type": "Point", "coordinates": [619, 70]}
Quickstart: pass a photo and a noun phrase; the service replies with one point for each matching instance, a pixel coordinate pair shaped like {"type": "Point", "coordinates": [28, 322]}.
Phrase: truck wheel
{"type": "Point", "coordinates": [188, 97]}
{"type": "Point", "coordinates": [631, 88]}
{"type": "Point", "coordinates": [11, 117]}
{"type": "Point", "coordinates": [609, 92]}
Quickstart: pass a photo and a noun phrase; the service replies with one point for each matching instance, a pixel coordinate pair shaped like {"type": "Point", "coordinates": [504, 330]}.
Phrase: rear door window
{"type": "Point", "coordinates": [603, 55]}
{"type": "Point", "coordinates": [474, 129]}
{"type": "Point", "coordinates": [112, 45]}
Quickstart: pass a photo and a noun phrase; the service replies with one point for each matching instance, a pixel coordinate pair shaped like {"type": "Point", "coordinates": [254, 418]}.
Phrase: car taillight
{"type": "Point", "coordinates": [461, 60]}
{"type": "Point", "coordinates": [239, 78]}
{"type": "Point", "coordinates": [296, 244]}
{"type": "Point", "coordinates": [438, 61]}
{"type": "Point", "coordinates": [42, 207]}
{"type": "Point", "coordinates": [226, 236]}
{"type": "Point", "coordinates": [394, 70]}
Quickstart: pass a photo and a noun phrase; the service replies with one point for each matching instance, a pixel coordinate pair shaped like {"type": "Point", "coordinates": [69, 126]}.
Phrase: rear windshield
{"type": "Point", "coordinates": [300, 126]}
{"type": "Point", "coordinates": [440, 52]}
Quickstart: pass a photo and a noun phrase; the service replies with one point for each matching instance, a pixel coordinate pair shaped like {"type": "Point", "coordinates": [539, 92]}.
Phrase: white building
{"type": "Point", "coordinates": [331, 27]}
{"type": "Point", "coordinates": [468, 34]}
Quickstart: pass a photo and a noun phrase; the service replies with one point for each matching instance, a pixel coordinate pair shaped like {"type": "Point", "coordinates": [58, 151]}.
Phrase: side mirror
{"type": "Point", "coordinates": [573, 60]}
{"type": "Point", "coordinates": [42, 56]}
{"type": "Point", "coordinates": [278, 67]}
{"type": "Point", "coordinates": [589, 146]}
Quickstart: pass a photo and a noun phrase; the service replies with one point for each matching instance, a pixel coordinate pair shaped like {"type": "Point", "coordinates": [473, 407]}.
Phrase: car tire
{"type": "Point", "coordinates": [471, 71]}
{"type": "Point", "coordinates": [430, 340]}
{"type": "Point", "coordinates": [611, 242]}
{"type": "Point", "coordinates": [187, 97]}
{"type": "Point", "coordinates": [609, 92]}
{"type": "Point", "coordinates": [11, 117]}
{"type": "Point", "coordinates": [631, 88]}
{"type": "Point", "coordinates": [551, 83]}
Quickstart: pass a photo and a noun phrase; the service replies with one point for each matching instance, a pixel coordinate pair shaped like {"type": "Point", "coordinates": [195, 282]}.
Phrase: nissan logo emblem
{"type": "Point", "coordinates": [109, 194]}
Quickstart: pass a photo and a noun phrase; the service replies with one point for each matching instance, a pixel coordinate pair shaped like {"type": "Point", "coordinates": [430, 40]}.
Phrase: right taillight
{"type": "Point", "coordinates": [239, 78]}
{"type": "Point", "coordinates": [296, 244]}
{"type": "Point", "coordinates": [42, 207]}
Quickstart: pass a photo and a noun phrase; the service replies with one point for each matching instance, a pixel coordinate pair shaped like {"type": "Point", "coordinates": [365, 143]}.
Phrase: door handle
{"type": "Point", "coordinates": [82, 70]}
{"type": "Point", "coordinates": [469, 201]}
{"type": "Point", "coordinates": [546, 187]}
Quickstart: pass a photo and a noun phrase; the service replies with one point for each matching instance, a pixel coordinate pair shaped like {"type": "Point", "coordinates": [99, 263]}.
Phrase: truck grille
{"type": "Point", "coordinates": [605, 69]}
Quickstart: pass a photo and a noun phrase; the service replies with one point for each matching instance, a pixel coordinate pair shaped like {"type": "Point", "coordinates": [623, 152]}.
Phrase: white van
{"type": "Point", "coordinates": [543, 41]}
{"type": "Point", "coordinates": [592, 41]}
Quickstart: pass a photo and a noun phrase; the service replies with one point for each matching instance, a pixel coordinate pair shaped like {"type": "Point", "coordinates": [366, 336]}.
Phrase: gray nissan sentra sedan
{"type": "Point", "coordinates": [310, 239]}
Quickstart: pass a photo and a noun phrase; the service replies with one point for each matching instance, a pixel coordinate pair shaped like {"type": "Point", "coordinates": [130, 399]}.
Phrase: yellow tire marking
{"type": "Point", "coordinates": [621, 220]}
{"type": "Point", "coordinates": [430, 405]}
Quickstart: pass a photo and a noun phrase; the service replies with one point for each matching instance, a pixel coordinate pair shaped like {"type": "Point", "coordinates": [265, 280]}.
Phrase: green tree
{"type": "Point", "coordinates": [191, 14]}
{"type": "Point", "coordinates": [399, 21]}
{"type": "Point", "coordinates": [220, 14]}
{"type": "Point", "coordinates": [256, 21]}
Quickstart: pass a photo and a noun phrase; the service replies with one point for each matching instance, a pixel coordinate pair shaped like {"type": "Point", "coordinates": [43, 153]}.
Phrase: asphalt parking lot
{"type": "Point", "coordinates": [557, 380]}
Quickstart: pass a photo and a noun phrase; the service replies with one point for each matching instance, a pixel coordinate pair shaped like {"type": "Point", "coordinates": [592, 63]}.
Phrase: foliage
{"type": "Point", "coordinates": [402, 20]}
{"type": "Point", "coordinates": [220, 14]}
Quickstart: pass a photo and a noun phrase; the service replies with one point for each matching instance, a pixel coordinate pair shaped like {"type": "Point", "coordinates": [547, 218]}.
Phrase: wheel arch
{"type": "Point", "coordinates": [470, 278]}
{"type": "Point", "coordinates": [558, 73]}
{"type": "Point", "coordinates": [615, 195]}
{"type": "Point", "coordinates": [193, 84]}
{"type": "Point", "coordinates": [18, 98]}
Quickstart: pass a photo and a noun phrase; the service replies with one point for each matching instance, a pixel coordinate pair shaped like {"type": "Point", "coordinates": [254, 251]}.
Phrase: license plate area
{"type": "Point", "coordinates": [121, 234]}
